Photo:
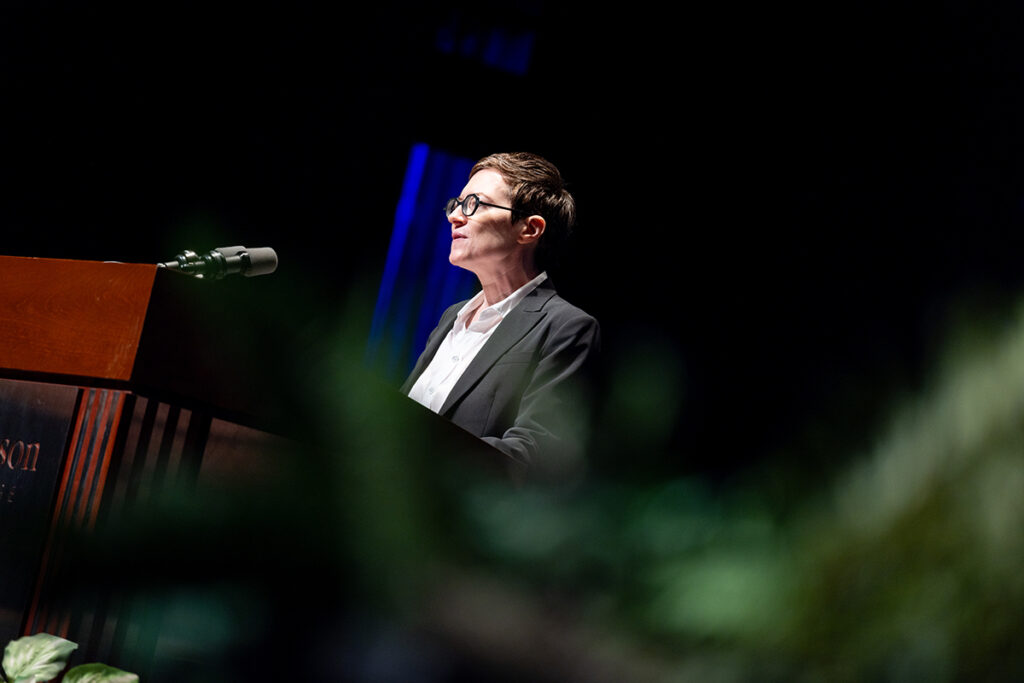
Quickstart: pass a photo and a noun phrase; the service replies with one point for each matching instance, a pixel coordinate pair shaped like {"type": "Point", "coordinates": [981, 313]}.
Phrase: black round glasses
{"type": "Point", "coordinates": [469, 205]}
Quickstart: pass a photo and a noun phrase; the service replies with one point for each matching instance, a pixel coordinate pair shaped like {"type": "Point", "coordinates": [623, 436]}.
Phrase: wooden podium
{"type": "Point", "coordinates": [115, 380]}
{"type": "Point", "coordinates": [119, 380]}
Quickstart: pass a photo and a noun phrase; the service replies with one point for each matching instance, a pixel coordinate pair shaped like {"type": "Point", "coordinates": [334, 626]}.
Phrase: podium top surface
{"type": "Point", "coordinates": [72, 318]}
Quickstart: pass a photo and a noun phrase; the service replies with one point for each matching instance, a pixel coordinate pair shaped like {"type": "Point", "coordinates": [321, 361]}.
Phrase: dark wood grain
{"type": "Point", "coordinates": [73, 318]}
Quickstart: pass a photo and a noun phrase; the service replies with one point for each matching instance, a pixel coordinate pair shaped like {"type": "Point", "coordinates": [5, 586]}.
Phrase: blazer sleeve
{"type": "Point", "coordinates": [551, 426]}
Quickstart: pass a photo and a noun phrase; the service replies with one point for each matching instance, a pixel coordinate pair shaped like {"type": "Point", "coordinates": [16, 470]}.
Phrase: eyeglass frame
{"type": "Point", "coordinates": [479, 203]}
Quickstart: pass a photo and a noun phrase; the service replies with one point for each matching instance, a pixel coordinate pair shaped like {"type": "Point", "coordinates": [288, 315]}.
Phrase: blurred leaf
{"type": "Point", "coordinates": [37, 658]}
{"type": "Point", "coordinates": [99, 673]}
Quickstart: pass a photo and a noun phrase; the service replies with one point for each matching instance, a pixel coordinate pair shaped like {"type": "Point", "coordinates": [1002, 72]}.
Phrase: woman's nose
{"type": "Point", "coordinates": [456, 217]}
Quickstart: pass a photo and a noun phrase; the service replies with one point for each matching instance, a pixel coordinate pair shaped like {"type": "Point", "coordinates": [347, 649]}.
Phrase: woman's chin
{"type": "Point", "coordinates": [457, 257]}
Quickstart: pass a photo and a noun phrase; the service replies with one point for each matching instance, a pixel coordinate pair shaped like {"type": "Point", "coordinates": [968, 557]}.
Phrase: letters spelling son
{"type": "Point", "coordinates": [17, 455]}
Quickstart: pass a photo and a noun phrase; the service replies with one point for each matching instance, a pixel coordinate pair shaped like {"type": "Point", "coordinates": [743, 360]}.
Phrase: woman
{"type": "Point", "coordinates": [509, 364]}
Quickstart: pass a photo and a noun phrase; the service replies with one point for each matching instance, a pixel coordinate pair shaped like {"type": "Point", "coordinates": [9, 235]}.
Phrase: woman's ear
{"type": "Point", "coordinates": [533, 228]}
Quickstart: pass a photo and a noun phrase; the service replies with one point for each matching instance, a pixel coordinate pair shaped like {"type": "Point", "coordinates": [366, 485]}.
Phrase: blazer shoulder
{"type": "Point", "coordinates": [568, 321]}
{"type": "Point", "coordinates": [560, 309]}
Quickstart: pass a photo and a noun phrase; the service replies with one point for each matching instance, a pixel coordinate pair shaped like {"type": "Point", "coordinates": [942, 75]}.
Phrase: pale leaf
{"type": "Point", "coordinates": [38, 658]}
{"type": "Point", "coordinates": [99, 673]}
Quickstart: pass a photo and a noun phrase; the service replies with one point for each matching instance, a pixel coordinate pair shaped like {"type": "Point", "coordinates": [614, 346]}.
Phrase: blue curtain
{"type": "Point", "coordinates": [418, 283]}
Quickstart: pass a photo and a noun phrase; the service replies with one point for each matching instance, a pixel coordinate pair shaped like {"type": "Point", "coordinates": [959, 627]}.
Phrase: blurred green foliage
{"type": "Point", "coordinates": [375, 546]}
{"type": "Point", "coordinates": [903, 565]}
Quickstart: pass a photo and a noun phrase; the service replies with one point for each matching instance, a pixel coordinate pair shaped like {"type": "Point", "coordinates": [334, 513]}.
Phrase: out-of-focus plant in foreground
{"type": "Point", "coordinates": [42, 657]}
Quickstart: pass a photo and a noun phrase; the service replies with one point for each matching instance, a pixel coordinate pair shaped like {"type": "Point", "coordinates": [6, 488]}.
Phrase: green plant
{"type": "Point", "coordinates": [41, 658]}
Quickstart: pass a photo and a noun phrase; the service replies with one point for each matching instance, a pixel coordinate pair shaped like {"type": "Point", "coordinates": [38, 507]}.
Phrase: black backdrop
{"type": "Point", "coordinates": [788, 198]}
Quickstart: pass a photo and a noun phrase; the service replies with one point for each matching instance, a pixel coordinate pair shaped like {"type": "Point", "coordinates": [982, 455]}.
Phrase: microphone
{"type": "Point", "coordinates": [225, 261]}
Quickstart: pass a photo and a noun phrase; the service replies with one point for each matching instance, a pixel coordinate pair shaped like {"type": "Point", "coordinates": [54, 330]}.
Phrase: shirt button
{"type": "Point", "coordinates": [455, 359]}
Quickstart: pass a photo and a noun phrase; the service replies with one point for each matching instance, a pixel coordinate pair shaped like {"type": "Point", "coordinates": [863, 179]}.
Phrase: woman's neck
{"type": "Point", "coordinates": [499, 285]}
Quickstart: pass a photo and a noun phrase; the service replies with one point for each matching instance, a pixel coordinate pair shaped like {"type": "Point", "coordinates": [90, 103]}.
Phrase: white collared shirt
{"type": "Point", "coordinates": [462, 343]}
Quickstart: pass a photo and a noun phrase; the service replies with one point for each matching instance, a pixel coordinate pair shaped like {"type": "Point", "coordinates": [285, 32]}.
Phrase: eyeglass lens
{"type": "Point", "coordinates": [469, 205]}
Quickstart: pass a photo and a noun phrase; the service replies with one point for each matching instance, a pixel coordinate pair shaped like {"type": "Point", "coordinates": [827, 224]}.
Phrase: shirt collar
{"type": "Point", "coordinates": [495, 313]}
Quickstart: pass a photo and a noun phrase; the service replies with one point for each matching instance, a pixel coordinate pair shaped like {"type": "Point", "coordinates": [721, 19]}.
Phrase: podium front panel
{"type": "Point", "coordinates": [35, 421]}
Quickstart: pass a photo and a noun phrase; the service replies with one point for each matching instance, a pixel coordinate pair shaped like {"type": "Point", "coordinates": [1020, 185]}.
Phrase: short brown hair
{"type": "Point", "coordinates": [536, 187]}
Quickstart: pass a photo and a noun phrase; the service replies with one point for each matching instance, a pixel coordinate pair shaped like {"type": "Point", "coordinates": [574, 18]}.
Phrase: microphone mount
{"type": "Point", "coordinates": [224, 261]}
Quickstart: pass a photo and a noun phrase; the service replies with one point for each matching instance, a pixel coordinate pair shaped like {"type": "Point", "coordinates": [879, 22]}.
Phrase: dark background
{"type": "Point", "coordinates": [785, 202]}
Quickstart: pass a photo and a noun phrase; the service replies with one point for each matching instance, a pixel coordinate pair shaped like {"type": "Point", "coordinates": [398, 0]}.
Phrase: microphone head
{"type": "Point", "coordinates": [262, 261]}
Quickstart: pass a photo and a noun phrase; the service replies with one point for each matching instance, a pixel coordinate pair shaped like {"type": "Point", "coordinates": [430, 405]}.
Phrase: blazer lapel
{"type": "Point", "coordinates": [433, 343]}
{"type": "Point", "coordinates": [509, 332]}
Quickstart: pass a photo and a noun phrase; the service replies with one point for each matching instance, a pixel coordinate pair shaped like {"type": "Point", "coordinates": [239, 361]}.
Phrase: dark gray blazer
{"type": "Point", "coordinates": [525, 392]}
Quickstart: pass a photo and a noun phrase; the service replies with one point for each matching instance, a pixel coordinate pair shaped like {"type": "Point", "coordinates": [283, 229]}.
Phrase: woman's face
{"type": "Point", "coordinates": [488, 237]}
